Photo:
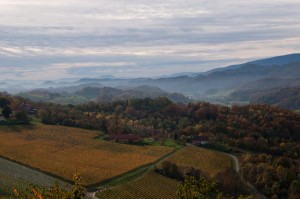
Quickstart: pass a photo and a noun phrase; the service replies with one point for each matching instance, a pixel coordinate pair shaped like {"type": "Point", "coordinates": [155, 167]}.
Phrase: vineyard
{"type": "Point", "coordinates": [15, 175]}
{"type": "Point", "coordinates": [63, 151]}
{"type": "Point", "coordinates": [150, 185]}
{"type": "Point", "coordinates": [209, 162]}
{"type": "Point", "coordinates": [7, 183]}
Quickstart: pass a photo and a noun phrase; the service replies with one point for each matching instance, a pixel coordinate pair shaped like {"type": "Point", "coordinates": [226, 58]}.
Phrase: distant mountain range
{"type": "Point", "coordinates": [98, 93]}
{"type": "Point", "coordinates": [252, 82]}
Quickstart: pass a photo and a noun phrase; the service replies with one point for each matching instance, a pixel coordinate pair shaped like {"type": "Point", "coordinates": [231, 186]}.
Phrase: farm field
{"type": "Point", "coordinates": [209, 162]}
{"type": "Point", "coordinates": [150, 185]}
{"type": "Point", "coordinates": [15, 175]}
{"type": "Point", "coordinates": [62, 151]}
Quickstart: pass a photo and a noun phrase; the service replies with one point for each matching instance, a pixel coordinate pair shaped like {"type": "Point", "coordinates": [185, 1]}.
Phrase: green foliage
{"type": "Point", "coordinates": [54, 192]}
{"type": "Point", "coordinates": [78, 191]}
{"type": "Point", "coordinates": [4, 102]}
{"type": "Point", "coordinates": [22, 117]}
{"type": "Point", "coordinates": [217, 146]}
{"type": "Point", "coordinates": [191, 188]}
{"type": "Point", "coordinates": [6, 111]}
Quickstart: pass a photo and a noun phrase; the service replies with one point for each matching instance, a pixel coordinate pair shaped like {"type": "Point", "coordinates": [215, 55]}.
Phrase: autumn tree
{"type": "Point", "coordinates": [191, 188]}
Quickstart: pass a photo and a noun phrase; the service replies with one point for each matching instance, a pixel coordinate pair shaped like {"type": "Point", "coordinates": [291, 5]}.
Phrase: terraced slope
{"type": "Point", "coordinates": [150, 186]}
{"type": "Point", "coordinates": [209, 162]}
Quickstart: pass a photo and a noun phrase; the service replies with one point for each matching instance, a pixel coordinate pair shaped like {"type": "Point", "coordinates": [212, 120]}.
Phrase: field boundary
{"type": "Point", "coordinates": [125, 177]}
{"type": "Point", "coordinates": [39, 170]}
{"type": "Point", "coordinates": [128, 176]}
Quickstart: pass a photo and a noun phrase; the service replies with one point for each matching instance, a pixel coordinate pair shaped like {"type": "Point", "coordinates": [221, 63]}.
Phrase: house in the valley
{"type": "Point", "coordinates": [200, 140]}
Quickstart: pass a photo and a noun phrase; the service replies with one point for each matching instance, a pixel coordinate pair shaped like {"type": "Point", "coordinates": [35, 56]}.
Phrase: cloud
{"type": "Point", "coordinates": [70, 38]}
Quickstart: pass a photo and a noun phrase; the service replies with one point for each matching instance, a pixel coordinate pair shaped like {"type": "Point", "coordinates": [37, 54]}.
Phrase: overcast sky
{"type": "Point", "coordinates": [55, 39]}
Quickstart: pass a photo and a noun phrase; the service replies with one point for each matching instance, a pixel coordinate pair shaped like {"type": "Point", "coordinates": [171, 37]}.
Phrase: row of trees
{"type": "Point", "coordinates": [258, 128]}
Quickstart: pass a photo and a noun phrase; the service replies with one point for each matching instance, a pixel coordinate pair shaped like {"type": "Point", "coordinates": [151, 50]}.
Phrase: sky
{"type": "Point", "coordinates": [48, 40]}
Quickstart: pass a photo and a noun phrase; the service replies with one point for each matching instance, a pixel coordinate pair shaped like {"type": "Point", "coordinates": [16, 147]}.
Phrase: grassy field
{"type": "Point", "coordinates": [209, 162]}
{"type": "Point", "coordinates": [151, 185]}
{"type": "Point", "coordinates": [162, 142]}
{"type": "Point", "coordinates": [62, 151]}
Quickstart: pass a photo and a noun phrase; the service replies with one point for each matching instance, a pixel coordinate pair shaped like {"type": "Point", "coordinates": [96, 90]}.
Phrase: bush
{"type": "Point", "coordinates": [22, 117]}
{"type": "Point", "coordinates": [54, 192]}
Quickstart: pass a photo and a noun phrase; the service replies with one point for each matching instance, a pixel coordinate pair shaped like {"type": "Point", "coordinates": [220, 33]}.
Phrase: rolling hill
{"type": "Point", "coordinates": [94, 91]}
{"type": "Point", "coordinates": [232, 84]}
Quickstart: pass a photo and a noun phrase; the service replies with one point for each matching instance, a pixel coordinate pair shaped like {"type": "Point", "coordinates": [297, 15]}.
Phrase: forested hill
{"type": "Point", "coordinates": [270, 132]}
{"type": "Point", "coordinates": [243, 83]}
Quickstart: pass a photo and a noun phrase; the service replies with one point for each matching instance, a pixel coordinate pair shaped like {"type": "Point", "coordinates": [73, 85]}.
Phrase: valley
{"type": "Point", "coordinates": [148, 99]}
{"type": "Point", "coordinates": [252, 82]}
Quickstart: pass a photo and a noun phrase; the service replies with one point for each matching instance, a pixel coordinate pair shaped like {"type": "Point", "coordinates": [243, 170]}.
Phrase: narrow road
{"type": "Point", "coordinates": [256, 192]}
{"type": "Point", "coordinates": [236, 162]}
{"type": "Point", "coordinates": [253, 189]}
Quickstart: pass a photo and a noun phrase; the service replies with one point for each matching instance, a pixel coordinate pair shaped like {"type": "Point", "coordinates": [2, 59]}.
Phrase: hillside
{"type": "Point", "coordinates": [218, 85]}
{"type": "Point", "coordinates": [61, 151]}
{"type": "Point", "coordinates": [233, 84]}
{"type": "Point", "coordinates": [150, 185]}
{"type": "Point", "coordinates": [260, 134]}
{"type": "Point", "coordinates": [284, 97]}
{"type": "Point", "coordinates": [95, 92]}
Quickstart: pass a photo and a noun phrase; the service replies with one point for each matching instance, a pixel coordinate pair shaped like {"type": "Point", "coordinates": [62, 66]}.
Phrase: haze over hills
{"type": "Point", "coordinates": [234, 84]}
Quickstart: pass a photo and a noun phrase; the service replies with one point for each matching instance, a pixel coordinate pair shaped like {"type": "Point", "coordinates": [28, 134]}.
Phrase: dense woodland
{"type": "Point", "coordinates": [287, 97]}
{"type": "Point", "coordinates": [269, 135]}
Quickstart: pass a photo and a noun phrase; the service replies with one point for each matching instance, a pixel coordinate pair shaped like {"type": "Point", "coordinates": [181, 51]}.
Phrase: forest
{"type": "Point", "coordinates": [266, 137]}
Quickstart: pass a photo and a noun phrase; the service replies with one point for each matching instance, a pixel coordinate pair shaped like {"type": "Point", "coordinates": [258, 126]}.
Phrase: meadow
{"type": "Point", "coordinates": [208, 161]}
{"type": "Point", "coordinates": [62, 151]}
{"type": "Point", "coordinates": [151, 185]}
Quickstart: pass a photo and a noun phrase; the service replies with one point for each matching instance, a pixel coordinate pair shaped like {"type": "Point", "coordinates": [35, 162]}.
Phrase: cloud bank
{"type": "Point", "coordinates": [138, 38]}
